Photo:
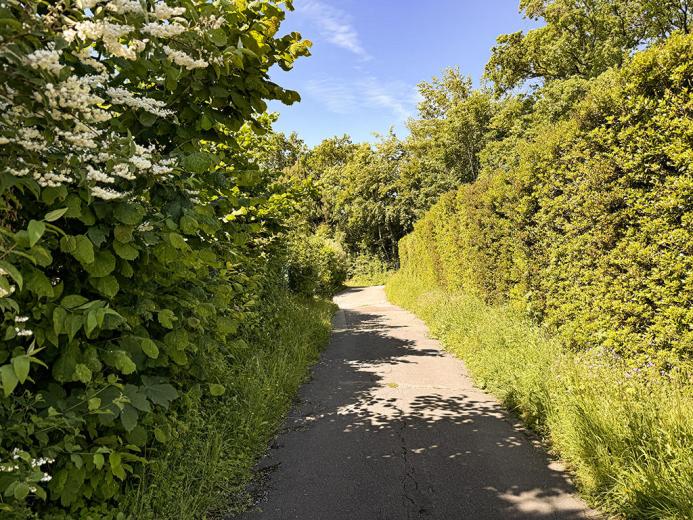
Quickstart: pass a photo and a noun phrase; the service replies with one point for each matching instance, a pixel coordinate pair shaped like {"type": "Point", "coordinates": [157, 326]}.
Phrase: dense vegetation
{"type": "Point", "coordinates": [563, 273]}
{"type": "Point", "coordinates": [143, 255]}
{"type": "Point", "coordinates": [163, 252]}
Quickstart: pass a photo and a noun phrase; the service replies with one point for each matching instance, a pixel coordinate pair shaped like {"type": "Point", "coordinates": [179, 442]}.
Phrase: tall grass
{"type": "Point", "coordinates": [627, 434]}
{"type": "Point", "coordinates": [205, 473]}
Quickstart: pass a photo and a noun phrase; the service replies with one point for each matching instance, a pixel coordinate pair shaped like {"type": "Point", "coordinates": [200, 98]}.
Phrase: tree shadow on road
{"type": "Point", "coordinates": [358, 445]}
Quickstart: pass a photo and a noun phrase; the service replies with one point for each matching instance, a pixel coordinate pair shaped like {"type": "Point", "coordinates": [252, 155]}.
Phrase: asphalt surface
{"type": "Point", "coordinates": [390, 427]}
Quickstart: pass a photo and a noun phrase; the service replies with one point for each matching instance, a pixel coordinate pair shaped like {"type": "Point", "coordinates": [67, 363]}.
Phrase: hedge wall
{"type": "Point", "coordinates": [585, 221]}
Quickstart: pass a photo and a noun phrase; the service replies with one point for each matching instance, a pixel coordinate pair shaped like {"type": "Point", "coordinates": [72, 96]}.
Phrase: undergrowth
{"type": "Point", "coordinates": [206, 478]}
{"type": "Point", "coordinates": [625, 433]}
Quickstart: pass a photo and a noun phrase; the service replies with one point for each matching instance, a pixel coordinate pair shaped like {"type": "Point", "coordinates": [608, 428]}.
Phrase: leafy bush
{"type": "Point", "coordinates": [626, 433]}
{"type": "Point", "coordinates": [368, 270]}
{"type": "Point", "coordinates": [316, 264]}
{"type": "Point", "coordinates": [583, 220]}
{"type": "Point", "coordinates": [134, 235]}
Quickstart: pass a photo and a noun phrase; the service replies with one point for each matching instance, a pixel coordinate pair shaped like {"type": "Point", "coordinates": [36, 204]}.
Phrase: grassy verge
{"type": "Point", "coordinates": [626, 434]}
{"type": "Point", "coordinates": [205, 474]}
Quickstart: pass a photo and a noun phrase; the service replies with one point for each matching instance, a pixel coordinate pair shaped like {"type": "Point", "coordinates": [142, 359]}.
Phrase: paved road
{"type": "Point", "coordinates": [391, 428]}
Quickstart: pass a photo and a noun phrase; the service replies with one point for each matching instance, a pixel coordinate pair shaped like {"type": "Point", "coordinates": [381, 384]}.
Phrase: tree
{"type": "Point", "coordinates": [581, 38]}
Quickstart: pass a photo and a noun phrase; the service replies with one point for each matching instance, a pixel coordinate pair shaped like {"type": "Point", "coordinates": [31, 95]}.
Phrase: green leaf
{"type": "Point", "coordinates": [21, 491]}
{"type": "Point", "coordinates": [82, 373]}
{"type": "Point", "coordinates": [91, 322]}
{"type": "Point", "coordinates": [59, 315]}
{"type": "Point", "coordinates": [21, 365]}
{"type": "Point", "coordinates": [72, 301]}
{"type": "Point", "coordinates": [178, 241]}
{"type": "Point", "coordinates": [218, 37]}
{"type": "Point", "coordinates": [129, 213]}
{"type": "Point", "coordinates": [166, 318]}
{"type": "Point", "coordinates": [160, 435]}
{"type": "Point", "coordinates": [199, 162]}
{"type": "Point", "coordinates": [123, 362]}
{"type": "Point", "coordinates": [98, 460]}
{"type": "Point", "coordinates": [159, 393]}
{"type": "Point", "coordinates": [36, 230]}
{"type": "Point", "coordinates": [123, 233]}
{"type": "Point", "coordinates": [13, 272]}
{"type": "Point", "coordinates": [108, 285]}
{"type": "Point", "coordinates": [129, 417]}
{"type": "Point", "coordinates": [37, 283]}
{"type": "Point", "coordinates": [149, 348]}
{"type": "Point", "coordinates": [84, 250]}
{"type": "Point", "coordinates": [54, 215]}
{"type": "Point", "coordinates": [8, 378]}
{"type": "Point", "coordinates": [216, 389]}
{"type": "Point", "coordinates": [125, 251]}
{"type": "Point", "coordinates": [94, 404]}
{"type": "Point", "coordinates": [103, 265]}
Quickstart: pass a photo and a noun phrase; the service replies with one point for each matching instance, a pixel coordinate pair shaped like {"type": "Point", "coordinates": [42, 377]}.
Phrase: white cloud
{"type": "Point", "coordinates": [338, 97]}
{"type": "Point", "coordinates": [341, 96]}
{"type": "Point", "coordinates": [334, 25]}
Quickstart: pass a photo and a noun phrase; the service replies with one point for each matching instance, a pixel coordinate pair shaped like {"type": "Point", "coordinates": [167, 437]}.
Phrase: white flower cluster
{"type": "Point", "coordinates": [163, 12]}
{"type": "Point", "coordinates": [163, 30]}
{"type": "Point", "coordinates": [121, 96]}
{"type": "Point", "coordinates": [110, 34]}
{"type": "Point", "coordinates": [45, 59]}
{"type": "Point", "coordinates": [125, 7]}
{"type": "Point", "coordinates": [183, 59]}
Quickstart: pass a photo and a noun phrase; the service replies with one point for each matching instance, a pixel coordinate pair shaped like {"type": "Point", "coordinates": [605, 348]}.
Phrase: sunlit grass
{"type": "Point", "coordinates": [208, 471]}
{"type": "Point", "coordinates": [627, 435]}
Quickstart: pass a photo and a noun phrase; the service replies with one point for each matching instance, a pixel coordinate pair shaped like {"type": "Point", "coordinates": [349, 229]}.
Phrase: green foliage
{"type": "Point", "coordinates": [581, 39]}
{"type": "Point", "coordinates": [316, 264]}
{"type": "Point", "coordinates": [367, 270]}
{"type": "Point", "coordinates": [210, 466]}
{"type": "Point", "coordinates": [625, 433]}
{"type": "Point", "coordinates": [581, 217]}
{"type": "Point", "coordinates": [134, 233]}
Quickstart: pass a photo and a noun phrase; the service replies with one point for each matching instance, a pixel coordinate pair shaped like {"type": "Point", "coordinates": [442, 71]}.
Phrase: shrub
{"type": "Point", "coordinates": [584, 221]}
{"type": "Point", "coordinates": [133, 233]}
{"type": "Point", "coordinates": [368, 269]}
{"type": "Point", "coordinates": [316, 264]}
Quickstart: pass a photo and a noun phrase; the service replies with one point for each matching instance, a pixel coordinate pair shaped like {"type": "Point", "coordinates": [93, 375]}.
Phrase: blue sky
{"type": "Point", "coordinates": [369, 55]}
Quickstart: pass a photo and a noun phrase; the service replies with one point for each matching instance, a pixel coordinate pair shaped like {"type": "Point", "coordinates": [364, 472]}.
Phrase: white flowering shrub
{"type": "Point", "coordinates": [133, 231]}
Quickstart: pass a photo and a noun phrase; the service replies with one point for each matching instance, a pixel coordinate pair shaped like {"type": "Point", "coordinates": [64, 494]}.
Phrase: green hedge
{"type": "Point", "coordinates": [584, 221]}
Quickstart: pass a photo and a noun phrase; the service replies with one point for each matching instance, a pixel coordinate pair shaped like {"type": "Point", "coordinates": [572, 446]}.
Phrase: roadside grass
{"type": "Point", "coordinates": [205, 474]}
{"type": "Point", "coordinates": [626, 434]}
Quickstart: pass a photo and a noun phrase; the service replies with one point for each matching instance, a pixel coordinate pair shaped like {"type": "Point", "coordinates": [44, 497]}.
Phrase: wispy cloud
{"type": "Point", "coordinates": [341, 96]}
{"type": "Point", "coordinates": [337, 97]}
{"type": "Point", "coordinates": [334, 25]}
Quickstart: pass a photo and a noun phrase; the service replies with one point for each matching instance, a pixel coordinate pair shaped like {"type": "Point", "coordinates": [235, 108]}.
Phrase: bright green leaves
{"type": "Point", "coordinates": [9, 379]}
{"type": "Point", "coordinates": [166, 318]}
{"type": "Point", "coordinates": [199, 162]}
{"type": "Point", "coordinates": [125, 251]}
{"type": "Point", "coordinates": [54, 215]}
{"type": "Point", "coordinates": [20, 365]}
{"type": "Point", "coordinates": [149, 348]}
{"type": "Point", "coordinates": [36, 229]}
{"type": "Point", "coordinates": [12, 272]}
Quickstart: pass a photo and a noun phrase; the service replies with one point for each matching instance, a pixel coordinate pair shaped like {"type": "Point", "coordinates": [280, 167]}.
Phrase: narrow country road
{"type": "Point", "coordinates": [390, 427]}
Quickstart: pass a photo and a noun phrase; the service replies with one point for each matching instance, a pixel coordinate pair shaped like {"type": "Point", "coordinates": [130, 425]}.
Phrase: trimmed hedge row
{"type": "Point", "coordinates": [584, 221]}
